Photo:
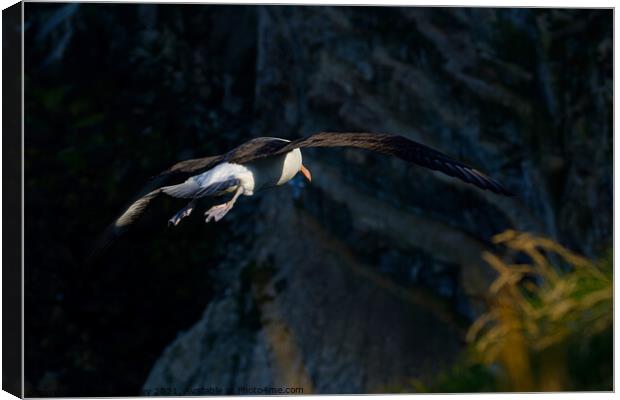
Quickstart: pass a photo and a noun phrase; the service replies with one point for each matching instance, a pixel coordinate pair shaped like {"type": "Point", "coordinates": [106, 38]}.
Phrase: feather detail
{"type": "Point", "coordinates": [393, 145]}
{"type": "Point", "coordinates": [404, 149]}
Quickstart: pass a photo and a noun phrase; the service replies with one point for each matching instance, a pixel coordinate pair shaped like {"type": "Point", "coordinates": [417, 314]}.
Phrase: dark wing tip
{"type": "Point", "coordinates": [464, 173]}
{"type": "Point", "coordinates": [486, 182]}
{"type": "Point", "coordinates": [103, 243]}
{"type": "Point", "coordinates": [507, 192]}
{"type": "Point", "coordinates": [121, 224]}
{"type": "Point", "coordinates": [405, 149]}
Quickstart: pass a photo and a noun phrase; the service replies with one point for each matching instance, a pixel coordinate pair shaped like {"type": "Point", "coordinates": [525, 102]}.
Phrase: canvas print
{"type": "Point", "coordinates": [288, 200]}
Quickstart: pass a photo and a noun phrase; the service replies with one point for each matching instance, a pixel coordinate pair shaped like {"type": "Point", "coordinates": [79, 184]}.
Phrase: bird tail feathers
{"type": "Point", "coordinates": [185, 190]}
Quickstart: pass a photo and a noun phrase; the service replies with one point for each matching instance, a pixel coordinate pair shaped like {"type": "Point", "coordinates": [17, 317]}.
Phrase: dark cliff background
{"type": "Point", "coordinates": [356, 283]}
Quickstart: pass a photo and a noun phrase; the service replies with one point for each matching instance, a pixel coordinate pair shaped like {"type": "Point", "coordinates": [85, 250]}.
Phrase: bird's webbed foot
{"type": "Point", "coordinates": [217, 212]}
{"type": "Point", "coordinates": [186, 211]}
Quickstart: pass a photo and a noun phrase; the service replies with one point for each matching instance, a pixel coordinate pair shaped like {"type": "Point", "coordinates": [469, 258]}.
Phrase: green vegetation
{"type": "Point", "coordinates": [548, 325]}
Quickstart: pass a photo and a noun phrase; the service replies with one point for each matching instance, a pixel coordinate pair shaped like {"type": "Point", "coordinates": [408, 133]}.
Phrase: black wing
{"type": "Point", "coordinates": [392, 145]}
{"type": "Point", "coordinates": [246, 152]}
{"type": "Point", "coordinates": [187, 168]}
{"type": "Point", "coordinates": [400, 147]}
{"type": "Point", "coordinates": [175, 175]}
{"type": "Point", "coordinates": [179, 172]}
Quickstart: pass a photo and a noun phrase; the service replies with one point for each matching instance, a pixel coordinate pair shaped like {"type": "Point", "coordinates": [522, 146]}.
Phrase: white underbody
{"type": "Point", "coordinates": [253, 176]}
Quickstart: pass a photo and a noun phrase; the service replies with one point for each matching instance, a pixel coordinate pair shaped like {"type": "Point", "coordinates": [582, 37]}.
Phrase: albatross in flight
{"type": "Point", "coordinates": [266, 162]}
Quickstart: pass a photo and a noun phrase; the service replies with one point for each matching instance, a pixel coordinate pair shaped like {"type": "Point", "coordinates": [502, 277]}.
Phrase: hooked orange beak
{"type": "Point", "coordinates": [306, 173]}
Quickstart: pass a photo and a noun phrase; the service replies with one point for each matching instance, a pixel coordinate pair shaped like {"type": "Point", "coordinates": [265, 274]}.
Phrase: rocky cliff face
{"type": "Point", "coordinates": [366, 278]}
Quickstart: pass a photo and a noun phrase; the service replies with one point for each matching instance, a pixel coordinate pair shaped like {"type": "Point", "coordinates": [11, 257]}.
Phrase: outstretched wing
{"type": "Point", "coordinates": [187, 168]}
{"type": "Point", "coordinates": [392, 145]}
{"type": "Point", "coordinates": [403, 148]}
{"type": "Point", "coordinates": [248, 151]}
{"type": "Point", "coordinates": [177, 173]}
